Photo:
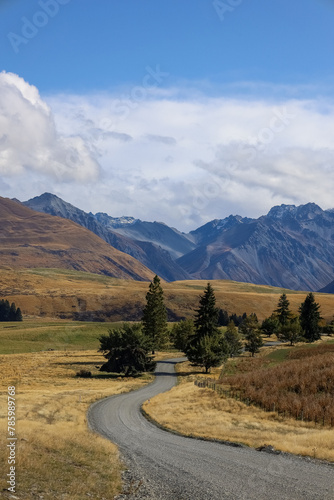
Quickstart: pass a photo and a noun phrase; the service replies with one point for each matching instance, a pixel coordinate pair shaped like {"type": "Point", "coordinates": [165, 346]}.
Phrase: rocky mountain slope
{"type": "Point", "coordinates": [290, 247]}
{"type": "Point", "coordinates": [29, 239]}
{"type": "Point", "coordinates": [143, 247]}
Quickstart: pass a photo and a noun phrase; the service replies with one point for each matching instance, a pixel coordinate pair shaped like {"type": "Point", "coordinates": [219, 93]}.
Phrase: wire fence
{"type": "Point", "coordinates": [325, 418]}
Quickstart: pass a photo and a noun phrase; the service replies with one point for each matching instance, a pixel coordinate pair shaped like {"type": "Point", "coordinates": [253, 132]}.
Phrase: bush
{"type": "Point", "coordinates": [84, 373]}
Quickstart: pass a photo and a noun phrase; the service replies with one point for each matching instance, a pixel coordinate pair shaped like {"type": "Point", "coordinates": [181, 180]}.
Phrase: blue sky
{"type": "Point", "coordinates": [179, 110]}
{"type": "Point", "coordinates": [99, 45]}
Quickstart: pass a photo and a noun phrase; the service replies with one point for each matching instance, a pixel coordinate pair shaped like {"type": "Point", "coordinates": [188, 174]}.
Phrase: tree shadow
{"type": "Point", "coordinates": [193, 372]}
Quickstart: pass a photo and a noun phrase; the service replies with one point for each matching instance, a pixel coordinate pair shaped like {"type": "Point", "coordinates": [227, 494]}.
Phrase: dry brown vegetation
{"type": "Point", "coordinates": [199, 412]}
{"type": "Point", "coordinates": [61, 293]}
{"type": "Point", "coordinates": [57, 456]}
{"type": "Point", "coordinates": [32, 239]}
{"type": "Point", "coordinates": [302, 387]}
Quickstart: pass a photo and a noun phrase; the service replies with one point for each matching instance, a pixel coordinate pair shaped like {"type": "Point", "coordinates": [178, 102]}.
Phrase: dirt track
{"type": "Point", "coordinates": [165, 466]}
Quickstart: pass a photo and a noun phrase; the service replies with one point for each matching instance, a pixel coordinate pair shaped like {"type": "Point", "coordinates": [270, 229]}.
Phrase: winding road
{"type": "Point", "coordinates": [172, 467]}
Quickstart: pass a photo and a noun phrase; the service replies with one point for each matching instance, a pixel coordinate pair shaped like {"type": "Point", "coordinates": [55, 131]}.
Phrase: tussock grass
{"type": "Point", "coordinates": [203, 413]}
{"type": "Point", "coordinates": [57, 456]}
{"type": "Point", "coordinates": [60, 293]}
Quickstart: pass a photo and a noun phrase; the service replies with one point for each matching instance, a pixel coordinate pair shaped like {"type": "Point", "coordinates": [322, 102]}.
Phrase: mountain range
{"type": "Point", "coordinates": [290, 247]}
{"type": "Point", "coordinates": [29, 239]}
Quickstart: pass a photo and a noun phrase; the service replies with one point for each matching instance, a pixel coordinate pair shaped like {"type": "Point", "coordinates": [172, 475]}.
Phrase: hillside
{"type": "Point", "coordinates": [143, 247]}
{"type": "Point", "coordinates": [328, 288]}
{"type": "Point", "coordinates": [290, 247]}
{"type": "Point", "coordinates": [55, 293]}
{"type": "Point", "coordinates": [29, 239]}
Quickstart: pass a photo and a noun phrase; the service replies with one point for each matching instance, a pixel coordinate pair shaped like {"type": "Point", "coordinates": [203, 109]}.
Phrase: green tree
{"type": "Point", "coordinates": [155, 316]}
{"type": "Point", "coordinates": [206, 347]}
{"type": "Point", "coordinates": [206, 321]}
{"type": "Point", "coordinates": [291, 331]}
{"type": "Point", "coordinates": [207, 352]}
{"type": "Point", "coordinates": [12, 312]}
{"type": "Point", "coordinates": [233, 340]}
{"type": "Point", "coordinates": [250, 328]}
{"type": "Point", "coordinates": [283, 309]}
{"type": "Point", "coordinates": [126, 349]}
{"type": "Point", "coordinates": [181, 333]}
{"type": "Point", "coordinates": [270, 326]}
{"type": "Point", "coordinates": [4, 310]}
{"type": "Point", "coordinates": [223, 317]}
{"type": "Point", "coordinates": [309, 316]}
{"type": "Point", "coordinates": [18, 315]}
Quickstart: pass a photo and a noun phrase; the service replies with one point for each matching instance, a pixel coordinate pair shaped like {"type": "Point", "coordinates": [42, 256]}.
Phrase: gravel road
{"type": "Point", "coordinates": [165, 466]}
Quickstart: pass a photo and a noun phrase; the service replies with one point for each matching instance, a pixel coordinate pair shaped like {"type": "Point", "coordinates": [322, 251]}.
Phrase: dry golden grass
{"type": "Point", "coordinates": [203, 413]}
{"type": "Point", "coordinates": [57, 456]}
{"type": "Point", "coordinates": [51, 292]}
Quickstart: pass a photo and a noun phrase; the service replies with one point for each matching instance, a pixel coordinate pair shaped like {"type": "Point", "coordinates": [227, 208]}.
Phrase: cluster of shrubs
{"type": "Point", "coordinates": [9, 312]}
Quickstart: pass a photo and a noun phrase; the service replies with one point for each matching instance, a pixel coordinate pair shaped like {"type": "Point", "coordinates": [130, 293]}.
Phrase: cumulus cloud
{"type": "Point", "coordinates": [180, 157]}
{"type": "Point", "coordinates": [29, 140]}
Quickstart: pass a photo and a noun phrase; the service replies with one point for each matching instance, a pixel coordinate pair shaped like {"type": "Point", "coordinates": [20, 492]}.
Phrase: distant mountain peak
{"type": "Point", "coordinates": [307, 211]}
{"type": "Point", "coordinates": [281, 211]}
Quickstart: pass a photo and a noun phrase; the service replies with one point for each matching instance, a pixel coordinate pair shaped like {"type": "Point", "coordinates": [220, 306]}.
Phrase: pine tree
{"type": "Point", "coordinates": [233, 340]}
{"type": "Point", "coordinates": [251, 330]}
{"type": "Point", "coordinates": [12, 312]}
{"type": "Point", "coordinates": [207, 346]}
{"type": "Point", "coordinates": [206, 321]}
{"type": "Point", "coordinates": [18, 316]}
{"type": "Point", "coordinates": [309, 318]}
{"type": "Point", "coordinates": [126, 349]}
{"type": "Point", "coordinates": [155, 316]}
{"type": "Point", "coordinates": [283, 311]}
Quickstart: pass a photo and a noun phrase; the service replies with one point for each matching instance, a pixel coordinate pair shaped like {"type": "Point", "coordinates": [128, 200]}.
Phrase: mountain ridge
{"type": "Point", "coordinates": [289, 247]}
{"type": "Point", "coordinates": [151, 255]}
{"type": "Point", "coordinates": [30, 239]}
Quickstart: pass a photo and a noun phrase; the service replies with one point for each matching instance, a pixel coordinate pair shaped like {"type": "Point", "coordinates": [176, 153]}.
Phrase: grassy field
{"type": "Point", "coordinates": [57, 456]}
{"type": "Point", "coordinates": [33, 335]}
{"type": "Point", "coordinates": [204, 413]}
{"type": "Point", "coordinates": [54, 293]}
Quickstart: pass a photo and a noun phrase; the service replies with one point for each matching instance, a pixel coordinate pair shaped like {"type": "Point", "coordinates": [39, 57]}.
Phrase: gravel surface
{"type": "Point", "coordinates": [166, 466]}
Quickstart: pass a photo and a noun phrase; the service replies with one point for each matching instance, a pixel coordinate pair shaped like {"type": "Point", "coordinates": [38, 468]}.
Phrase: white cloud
{"type": "Point", "coordinates": [180, 159]}
{"type": "Point", "coordinates": [29, 141]}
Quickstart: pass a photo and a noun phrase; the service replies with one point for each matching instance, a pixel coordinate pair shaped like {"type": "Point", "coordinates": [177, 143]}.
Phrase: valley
{"type": "Point", "coordinates": [75, 295]}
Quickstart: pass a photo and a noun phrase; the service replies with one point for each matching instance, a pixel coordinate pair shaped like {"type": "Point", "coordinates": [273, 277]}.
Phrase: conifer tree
{"type": "Point", "coordinates": [251, 330]}
{"type": "Point", "coordinates": [207, 347]}
{"type": "Point", "coordinates": [309, 318]}
{"type": "Point", "coordinates": [18, 316]}
{"type": "Point", "coordinates": [155, 316]}
{"type": "Point", "coordinates": [126, 349]}
{"type": "Point", "coordinates": [283, 311]}
{"type": "Point", "coordinates": [206, 321]}
{"type": "Point", "coordinates": [233, 340]}
{"type": "Point", "coordinates": [12, 312]}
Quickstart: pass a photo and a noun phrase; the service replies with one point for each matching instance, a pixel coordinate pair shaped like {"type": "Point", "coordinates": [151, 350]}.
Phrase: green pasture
{"type": "Point", "coordinates": [39, 335]}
